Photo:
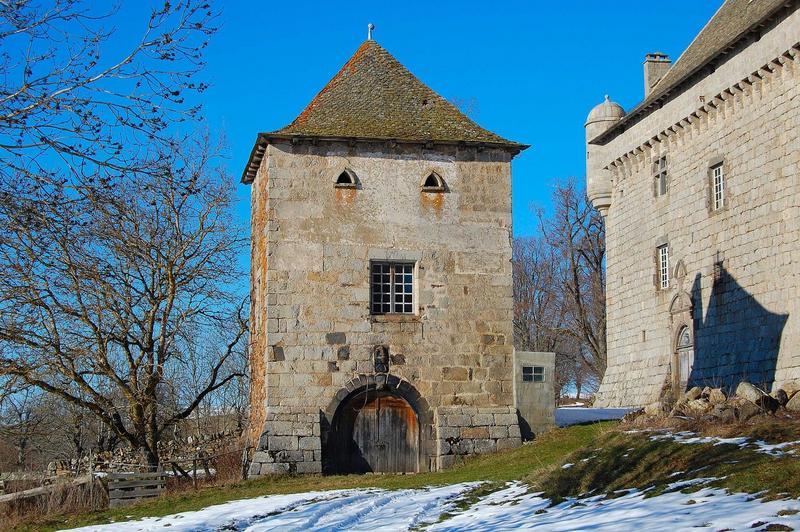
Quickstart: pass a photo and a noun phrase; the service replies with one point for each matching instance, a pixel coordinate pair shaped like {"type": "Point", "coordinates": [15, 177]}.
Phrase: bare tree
{"type": "Point", "coordinates": [538, 310]}
{"type": "Point", "coordinates": [541, 315]}
{"type": "Point", "coordinates": [576, 233]}
{"type": "Point", "coordinates": [114, 260]}
{"type": "Point", "coordinates": [77, 101]}
{"type": "Point", "coordinates": [104, 291]}
{"type": "Point", "coordinates": [22, 423]}
{"type": "Point", "coordinates": [225, 408]}
{"type": "Point", "coordinates": [559, 290]}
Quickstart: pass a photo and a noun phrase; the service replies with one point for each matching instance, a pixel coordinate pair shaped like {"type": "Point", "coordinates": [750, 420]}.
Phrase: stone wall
{"type": "Point", "coordinates": [260, 231]}
{"type": "Point", "coordinates": [467, 430]}
{"type": "Point", "coordinates": [312, 246]}
{"type": "Point", "coordinates": [535, 400]}
{"type": "Point", "coordinates": [739, 266]}
{"type": "Point", "coordinates": [290, 442]}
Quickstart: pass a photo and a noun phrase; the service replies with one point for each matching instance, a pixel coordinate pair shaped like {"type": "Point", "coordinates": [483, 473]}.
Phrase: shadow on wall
{"type": "Point", "coordinates": [736, 338]}
{"type": "Point", "coordinates": [526, 432]}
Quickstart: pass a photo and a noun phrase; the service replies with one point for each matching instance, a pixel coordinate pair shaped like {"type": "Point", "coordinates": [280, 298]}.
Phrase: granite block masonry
{"type": "Point", "coordinates": [381, 281]}
{"type": "Point", "coordinates": [699, 186]}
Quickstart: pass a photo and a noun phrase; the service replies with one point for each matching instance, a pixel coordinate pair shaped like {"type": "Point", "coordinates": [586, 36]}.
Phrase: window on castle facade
{"type": "Point", "coordinates": [532, 373]}
{"type": "Point", "coordinates": [392, 288]}
{"type": "Point", "coordinates": [660, 176]}
{"type": "Point", "coordinates": [663, 266]}
{"type": "Point", "coordinates": [433, 183]}
{"type": "Point", "coordinates": [684, 338]}
{"type": "Point", "coordinates": [718, 187]}
{"type": "Point", "coordinates": [347, 179]}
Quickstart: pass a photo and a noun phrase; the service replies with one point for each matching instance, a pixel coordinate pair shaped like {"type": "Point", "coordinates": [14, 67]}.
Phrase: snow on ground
{"type": "Point", "coordinates": [712, 509]}
{"type": "Point", "coordinates": [759, 446]}
{"type": "Point", "coordinates": [511, 508]}
{"type": "Point", "coordinates": [775, 449]}
{"type": "Point", "coordinates": [682, 484]}
{"type": "Point", "coordinates": [366, 509]}
{"type": "Point", "coordinates": [567, 415]}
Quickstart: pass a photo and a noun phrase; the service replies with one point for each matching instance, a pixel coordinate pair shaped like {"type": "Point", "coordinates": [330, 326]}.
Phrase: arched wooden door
{"type": "Point", "coordinates": [378, 432]}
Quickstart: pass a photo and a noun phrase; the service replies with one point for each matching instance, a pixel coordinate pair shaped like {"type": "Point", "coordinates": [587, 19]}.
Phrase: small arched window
{"type": "Point", "coordinates": [433, 183]}
{"type": "Point", "coordinates": [684, 338]}
{"type": "Point", "coordinates": [346, 179]}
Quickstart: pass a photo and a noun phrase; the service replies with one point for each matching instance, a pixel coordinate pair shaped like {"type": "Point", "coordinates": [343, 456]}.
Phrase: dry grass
{"type": "Point", "coordinates": [65, 498]}
{"type": "Point", "coordinates": [227, 468]}
{"type": "Point", "coordinates": [605, 456]}
{"type": "Point", "coordinates": [619, 460]}
{"type": "Point", "coordinates": [68, 499]}
{"type": "Point", "coordinates": [540, 455]}
{"type": "Point", "coordinates": [15, 485]}
{"type": "Point", "coordinates": [783, 426]}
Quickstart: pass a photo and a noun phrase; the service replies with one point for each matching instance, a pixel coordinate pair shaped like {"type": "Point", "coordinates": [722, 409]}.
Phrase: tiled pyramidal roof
{"type": "Point", "coordinates": [374, 97]}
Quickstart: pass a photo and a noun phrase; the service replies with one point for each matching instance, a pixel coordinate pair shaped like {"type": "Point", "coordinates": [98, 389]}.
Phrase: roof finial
{"type": "Point", "coordinates": [370, 27]}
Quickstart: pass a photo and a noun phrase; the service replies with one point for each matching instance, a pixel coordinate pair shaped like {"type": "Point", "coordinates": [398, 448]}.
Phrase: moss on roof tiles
{"type": "Point", "coordinates": [373, 96]}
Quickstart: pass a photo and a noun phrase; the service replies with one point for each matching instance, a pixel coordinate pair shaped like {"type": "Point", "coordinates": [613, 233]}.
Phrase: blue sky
{"type": "Point", "coordinates": [534, 69]}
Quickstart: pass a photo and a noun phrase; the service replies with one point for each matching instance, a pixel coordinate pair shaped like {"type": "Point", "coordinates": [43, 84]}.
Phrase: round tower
{"type": "Point", "coordinates": [598, 180]}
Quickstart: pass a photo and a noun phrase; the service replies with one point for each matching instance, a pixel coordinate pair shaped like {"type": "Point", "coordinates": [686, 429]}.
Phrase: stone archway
{"type": "Point", "coordinates": [376, 423]}
{"type": "Point", "coordinates": [681, 324]}
{"type": "Point", "coordinates": [683, 358]}
{"type": "Point", "coordinates": [375, 432]}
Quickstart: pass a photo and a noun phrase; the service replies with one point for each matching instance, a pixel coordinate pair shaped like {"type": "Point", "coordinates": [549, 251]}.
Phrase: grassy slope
{"type": "Point", "coordinates": [542, 455]}
{"type": "Point", "coordinates": [617, 460]}
{"type": "Point", "coordinates": [614, 460]}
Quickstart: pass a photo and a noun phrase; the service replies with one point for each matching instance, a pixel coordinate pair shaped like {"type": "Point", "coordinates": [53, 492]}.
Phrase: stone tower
{"type": "Point", "coordinates": [381, 280]}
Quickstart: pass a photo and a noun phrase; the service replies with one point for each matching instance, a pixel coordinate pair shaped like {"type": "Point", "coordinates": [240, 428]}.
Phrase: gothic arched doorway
{"type": "Point", "coordinates": [375, 431]}
{"type": "Point", "coordinates": [684, 356]}
{"type": "Point", "coordinates": [681, 324]}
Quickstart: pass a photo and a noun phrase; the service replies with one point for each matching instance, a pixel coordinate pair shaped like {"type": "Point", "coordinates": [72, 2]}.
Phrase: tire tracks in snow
{"type": "Point", "coordinates": [361, 510]}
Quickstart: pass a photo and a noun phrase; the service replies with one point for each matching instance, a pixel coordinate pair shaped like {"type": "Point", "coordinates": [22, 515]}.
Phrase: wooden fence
{"type": "Point", "coordinates": [43, 490]}
{"type": "Point", "coordinates": [128, 488]}
{"type": "Point", "coordinates": [125, 488]}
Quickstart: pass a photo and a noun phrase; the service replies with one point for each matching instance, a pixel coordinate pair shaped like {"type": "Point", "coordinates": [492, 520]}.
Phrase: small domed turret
{"type": "Point", "coordinates": [598, 179]}
{"type": "Point", "coordinates": [606, 111]}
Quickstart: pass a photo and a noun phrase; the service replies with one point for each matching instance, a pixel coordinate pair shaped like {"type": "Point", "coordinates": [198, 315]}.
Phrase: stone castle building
{"type": "Point", "coordinates": [700, 189]}
{"type": "Point", "coordinates": [381, 280]}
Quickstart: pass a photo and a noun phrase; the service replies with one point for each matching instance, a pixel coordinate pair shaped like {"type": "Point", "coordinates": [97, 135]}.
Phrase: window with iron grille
{"type": "Point", "coordinates": [660, 176]}
{"type": "Point", "coordinates": [718, 186]}
{"type": "Point", "coordinates": [392, 288]}
{"type": "Point", "coordinates": [663, 266]}
{"type": "Point", "coordinates": [533, 373]}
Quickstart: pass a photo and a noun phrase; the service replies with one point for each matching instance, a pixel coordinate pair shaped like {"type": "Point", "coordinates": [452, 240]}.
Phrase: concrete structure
{"type": "Point", "coordinates": [700, 189]}
{"type": "Point", "coordinates": [534, 391]}
{"type": "Point", "coordinates": [381, 281]}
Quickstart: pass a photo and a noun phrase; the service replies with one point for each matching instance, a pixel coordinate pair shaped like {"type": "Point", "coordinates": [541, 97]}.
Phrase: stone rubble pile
{"type": "Point", "coordinates": [713, 404]}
